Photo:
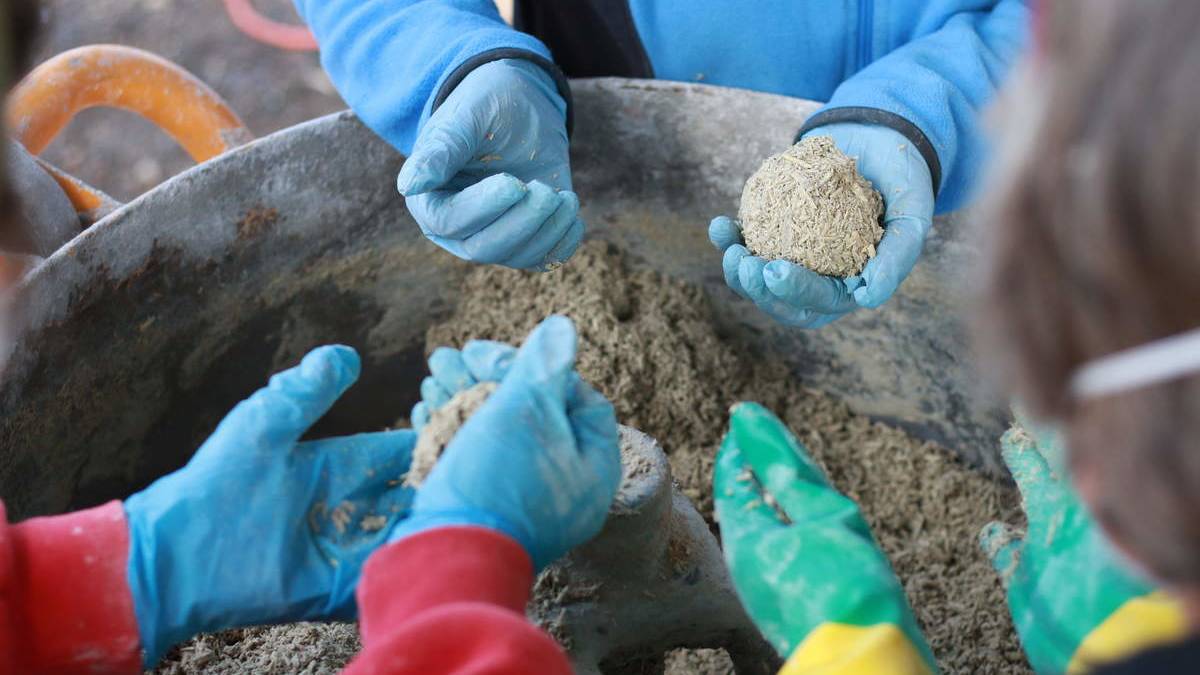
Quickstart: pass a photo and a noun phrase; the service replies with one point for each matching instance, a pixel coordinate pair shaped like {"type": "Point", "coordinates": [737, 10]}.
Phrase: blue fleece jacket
{"type": "Point", "coordinates": [925, 67]}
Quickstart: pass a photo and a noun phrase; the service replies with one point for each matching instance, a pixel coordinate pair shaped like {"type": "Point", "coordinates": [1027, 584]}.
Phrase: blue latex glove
{"type": "Point", "coordinates": [799, 297]}
{"type": "Point", "coordinates": [258, 528]}
{"type": "Point", "coordinates": [538, 462]}
{"type": "Point", "coordinates": [453, 371]}
{"type": "Point", "coordinates": [489, 178]}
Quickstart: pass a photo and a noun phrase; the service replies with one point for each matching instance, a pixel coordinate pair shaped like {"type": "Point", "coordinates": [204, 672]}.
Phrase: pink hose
{"type": "Point", "coordinates": [274, 33]}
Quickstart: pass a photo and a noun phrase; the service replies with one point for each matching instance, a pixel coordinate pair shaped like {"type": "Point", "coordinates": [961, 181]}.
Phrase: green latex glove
{"type": "Point", "coordinates": [1065, 584]}
{"type": "Point", "coordinates": [809, 573]}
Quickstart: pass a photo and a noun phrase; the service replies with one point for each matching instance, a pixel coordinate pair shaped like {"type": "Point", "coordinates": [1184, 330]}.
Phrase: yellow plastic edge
{"type": "Point", "coordinates": [1139, 624]}
{"type": "Point", "coordinates": [838, 648]}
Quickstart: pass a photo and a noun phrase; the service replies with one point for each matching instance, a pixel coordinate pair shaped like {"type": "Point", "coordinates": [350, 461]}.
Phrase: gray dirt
{"type": "Point", "coordinates": [650, 344]}
{"type": "Point", "coordinates": [296, 649]}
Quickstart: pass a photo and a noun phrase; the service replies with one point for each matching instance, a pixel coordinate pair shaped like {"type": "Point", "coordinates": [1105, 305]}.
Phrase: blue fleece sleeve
{"type": "Point", "coordinates": [391, 59]}
{"type": "Point", "coordinates": [940, 83]}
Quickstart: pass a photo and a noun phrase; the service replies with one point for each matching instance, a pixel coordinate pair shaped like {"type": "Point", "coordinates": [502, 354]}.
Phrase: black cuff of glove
{"type": "Point", "coordinates": [560, 80]}
{"type": "Point", "coordinates": [882, 118]}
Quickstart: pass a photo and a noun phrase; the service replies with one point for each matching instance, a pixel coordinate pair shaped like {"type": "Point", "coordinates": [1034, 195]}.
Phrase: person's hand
{"type": "Point", "coordinates": [538, 462]}
{"type": "Point", "coordinates": [453, 371]}
{"type": "Point", "coordinates": [259, 528]}
{"type": "Point", "coordinates": [795, 296]}
{"type": "Point", "coordinates": [808, 571]}
{"type": "Point", "coordinates": [489, 178]}
{"type": "Point", "coordinates": [1073, 603]}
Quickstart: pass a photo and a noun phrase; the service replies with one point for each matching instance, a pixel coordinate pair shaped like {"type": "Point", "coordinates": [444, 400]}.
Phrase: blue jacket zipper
{"type": "Point", "coordinates": [866, 17]}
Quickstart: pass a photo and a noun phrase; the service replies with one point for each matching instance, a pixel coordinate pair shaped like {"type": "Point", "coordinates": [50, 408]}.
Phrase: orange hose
{"type": "Point", "coordinates": [122, 77]}
{"type": "Point", "coordinates": [259, 27]}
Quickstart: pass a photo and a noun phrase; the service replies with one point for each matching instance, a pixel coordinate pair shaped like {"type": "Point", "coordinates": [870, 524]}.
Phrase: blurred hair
{"type": "Point", "coordinates": [23, 17]}
{"type": "Point", "coordinates": [1093, 229]}
{"type": "Point", "coordinates": [19, 21]}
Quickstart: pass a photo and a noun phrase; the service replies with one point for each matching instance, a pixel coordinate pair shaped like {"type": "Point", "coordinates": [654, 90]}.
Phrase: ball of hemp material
{"type": "Point", "coordinates": [810, 206]}
{"type": "Point", "coordinates": [439, 431]}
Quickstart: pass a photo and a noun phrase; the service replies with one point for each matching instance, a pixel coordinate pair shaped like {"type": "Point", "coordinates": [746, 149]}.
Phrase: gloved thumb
{"type": "Point", "coordinates": [441, 151]}
{"type": "Point", "coordinates": [898, 251]}
{"type": "Point", "coordinates": [740, 506]}
{"type": "Point", "coordinates": [723, 232]}
{"type": "Point", "coordinates": [545, 361]}
{"type": "Point", "coordinates": [295, 399]}
{"type": "Point", "coordinates": [770, 450]}
{"type": "Point", "coordinates": [1001, 543]}
{"type": "Point", "coordinates": [1042, 492]}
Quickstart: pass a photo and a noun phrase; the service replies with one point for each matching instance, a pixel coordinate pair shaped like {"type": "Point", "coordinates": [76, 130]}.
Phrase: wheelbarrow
{"type": "Point", "coordinates": [131, 341]}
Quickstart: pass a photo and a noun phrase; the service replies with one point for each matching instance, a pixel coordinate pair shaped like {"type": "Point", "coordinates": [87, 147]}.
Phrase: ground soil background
{"type": "Point", "coordinates": [124, 155]}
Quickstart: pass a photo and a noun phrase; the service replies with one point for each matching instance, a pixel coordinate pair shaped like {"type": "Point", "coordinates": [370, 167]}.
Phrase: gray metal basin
{"type": "Point", "coordinates": [135, 338]}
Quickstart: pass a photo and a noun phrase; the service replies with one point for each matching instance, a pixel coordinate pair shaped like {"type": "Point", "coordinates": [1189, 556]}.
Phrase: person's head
{"type": "Point", "coordinates": [1093, 245]}
{"type": "Point", "coordinates": [18, 34]}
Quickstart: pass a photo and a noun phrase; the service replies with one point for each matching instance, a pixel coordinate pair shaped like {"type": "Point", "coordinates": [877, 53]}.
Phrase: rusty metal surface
{"type": "Point", "coordinates": [139, 334]}
{"type": "Point", "coordinates": [653, 580]}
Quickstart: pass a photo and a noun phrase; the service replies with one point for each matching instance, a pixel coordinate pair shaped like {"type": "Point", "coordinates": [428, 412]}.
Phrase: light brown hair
{"type": "Point", "coordinates": [1093, 229]}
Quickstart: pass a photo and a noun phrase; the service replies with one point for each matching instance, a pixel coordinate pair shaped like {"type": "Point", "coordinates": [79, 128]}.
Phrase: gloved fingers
{"type": "Point", "coordinates": [443, 148]}
{"type": "Point", "coordinates": [895, 258]}
{"type": "Point", "coordinates": [750, 276]}
{"type": "Point", "coordinates": [279, 414]}
{"type": "Point", "coordinates": [459, 214]}
{"type": "Point", "coordinates": [454, 246]}
{"type": "Point", "coordinates": [778, 460]}
{"type": "Point", "coordinates": [488, 360]}
{"type": "Point", "coordinates": [595, 425]}
{"type": "Point", "coordinates": [731, 262]}
{"type": "Point", "coordinates": [724, 232]}
{"type": "Point", "coordinates": [1001, 543]}
{"type": "Point", "coordinates": [797, 286]}
{"type": "Point", "coordinates": [903, 179]}
{"type": "Point", "coordinates": [419, 416]}
{"type": "Point", "coordinates": [450, 371]}
{"type": "Point", "coordinates": [433, 394]}
{"type": "Point", "coordinates": [546, 361]}
{"type": "Point", "coordinates": [566, 247]}
{"type": "Point", "coordinates": [535, 253]}
{"type": "Point", "coordinates": [1041, 490]}
{"type": "Point", "coordinates": [508, 235]}
{"type": "Point", "coordinates": [740, 505]}
{"type": "Point", "coordinates": [1046, 440]}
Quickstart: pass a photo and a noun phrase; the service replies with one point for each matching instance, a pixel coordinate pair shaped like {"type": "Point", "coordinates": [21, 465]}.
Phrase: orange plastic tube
{"type": "Point", "coordinates": [122, 77]}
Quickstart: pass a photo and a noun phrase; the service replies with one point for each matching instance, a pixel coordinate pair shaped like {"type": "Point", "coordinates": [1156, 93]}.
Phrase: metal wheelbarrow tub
{"type": "Point", "coordinates": [136, 337]}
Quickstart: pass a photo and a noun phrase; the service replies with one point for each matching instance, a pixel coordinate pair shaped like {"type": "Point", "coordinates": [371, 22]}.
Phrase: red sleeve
{"type": "Point", "coordinates": [65, 605]}
{"type": "Point", "coordinates": [451, 600]}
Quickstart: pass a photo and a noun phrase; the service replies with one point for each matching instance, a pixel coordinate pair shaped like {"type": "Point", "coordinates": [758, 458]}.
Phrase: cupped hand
{"type": "Point", "coordinates": [259, 527]}
{"type": "Point", "coordinates": [489, 177]}
{"type": "Point", "coordinates": [798, 297]}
